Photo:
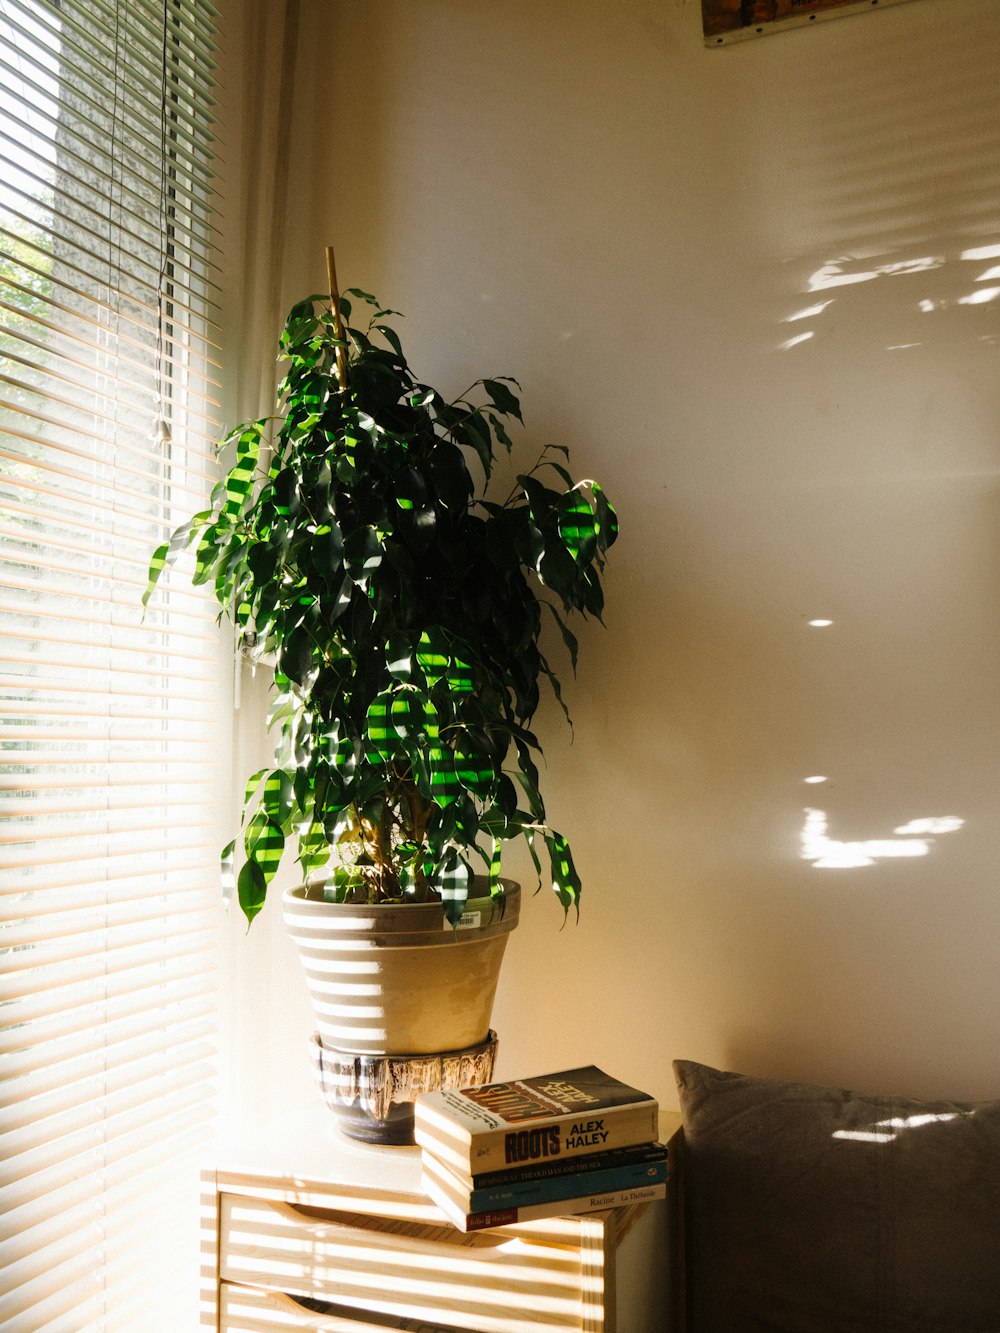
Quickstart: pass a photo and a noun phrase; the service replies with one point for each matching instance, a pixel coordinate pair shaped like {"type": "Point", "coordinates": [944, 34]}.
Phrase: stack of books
{"type": "Point", "coordinates": [573, 1142]}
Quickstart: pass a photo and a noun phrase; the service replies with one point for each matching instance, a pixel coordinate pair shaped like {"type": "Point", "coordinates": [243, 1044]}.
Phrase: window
{"type": "Point", "coordinates": [110, 726]}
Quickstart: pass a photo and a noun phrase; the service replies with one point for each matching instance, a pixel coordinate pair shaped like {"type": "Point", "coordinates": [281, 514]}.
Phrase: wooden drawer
{"type": "Point", "coordinates": [251, 1310]}
{"type": "Point", "coordinates": [491, 1282]}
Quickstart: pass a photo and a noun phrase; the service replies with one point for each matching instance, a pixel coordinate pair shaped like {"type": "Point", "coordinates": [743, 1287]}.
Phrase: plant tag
{"type": "Point", "coordinates": [467, 921]}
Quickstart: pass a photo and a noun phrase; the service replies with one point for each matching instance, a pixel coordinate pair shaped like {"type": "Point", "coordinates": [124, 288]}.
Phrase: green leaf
{"type": "Point", "coordinates": [279, 799]}
{"type": "Point", "coordinates": [264, 842]}
{"type": "Point", "coordinates": [531, 546]}
{"type": "Point", "coordinates": [607, 519]}
{"type": "Point", "coordinates": [379, 727]}
{"type": "Point", "coordinates": [460, 677]}
{"type": "Point", "coordinates": [433, 656]}
{"type": "Point", "coordinates": [208, 554]}
{"type": "Point", "coordinates": [477, 435]}
{"type": "Point", "coordinates": [262, 560]}
{"type": "Point", "coordinates": [343, 752]}
{"type": "Point", "coordinates": [314, 849]}
{"type": "Point", "coordinates": [568, 638]}
{"type": "Point", "coordinates": [295, 656]}
{"type": "Point", "coordinates": [228, 875]}
{"type": "Point", "coordinates": [475, 771]}
{"type": "Point", "coordinates": [239, 482]}
{"type": "Point", "coordinates": [527, 764]}
{"type": "Point", "coordinates": [328, 549]}
{"type": "Point", "coordinates": [556, 690]}
{"type": "Point", "coordinates": [565, 880]}
{"type": "Point", "coordinates": [251, 889]}
{"type": "Point", "coordinates": [541, 499]}
{"type": "Point", "coordinates": [411, 489]}
{"type": "Point", "coordinates": [529, 838]}
{"type": "Point", "coordinates": [364, 554]}
{"type": "Point", "coordinates": [452, 881]}
{"type": "Point", "coordinates": [414, 717]}
{"type": "Point", "coordinates": [502, 398]}
{"type": "Point", "coordinates": [156, 567]}
{"type": "Point", "coordinates": [399, 656]}
{"type": "Point", "coordinates": [400, 721]}
{"type": "Point", "coordinates": [251, 788]}
{"type": "Point", "coordinates": [593, 597]}
{"type": "Point", "coordinates": [499, 431]}
{"type": "Point", "coordinates": [434, 772]}
{"type": "Point", "coordinates": [558, 570]}
{"type": "Point", "coordinates": [578, 526]}
{"type": "Point", "coordinates": [531, 793]}
{"type": "Point", "coordinates": [392, 338]}
{"type": "Point", "coordinates": [450, 476]}
{"type": "Point", "coordinates": [168, 552]}
{"type": "Point", "coordinates": [496, 865]}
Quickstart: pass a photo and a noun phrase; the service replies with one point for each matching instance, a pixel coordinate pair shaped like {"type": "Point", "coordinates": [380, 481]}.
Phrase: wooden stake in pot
{"type": "Point", "coordinates": [338, 323]}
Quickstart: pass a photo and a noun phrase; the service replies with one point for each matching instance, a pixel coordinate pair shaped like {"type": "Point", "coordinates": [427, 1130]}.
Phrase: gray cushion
{"type": "Point", "coordinates": [816, 1210]}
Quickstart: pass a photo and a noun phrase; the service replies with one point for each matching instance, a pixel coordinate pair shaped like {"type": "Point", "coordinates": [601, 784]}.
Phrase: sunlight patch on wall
{"type": "Point", "coordinates": [944, 824]}
{"type": "Point", "coordinates": [981, 296]}
{"type": "Point", "coordinates": [835, 273]}
{"type": "Point", "coordinates": [794, 342]}
{"type": "Point", "coordinates": [980, 253]}
{"type": "Point", "coordinates": [808, 312]}
{"type": "Point", "coordinates": [828, 853]}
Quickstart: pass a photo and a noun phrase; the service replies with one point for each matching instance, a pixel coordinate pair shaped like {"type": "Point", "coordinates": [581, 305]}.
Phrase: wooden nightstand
{"type": "Point", "coordinates": [305, 1231]}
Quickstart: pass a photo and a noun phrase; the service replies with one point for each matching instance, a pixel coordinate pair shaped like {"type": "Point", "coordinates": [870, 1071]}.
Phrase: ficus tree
{"type": "Point", "coordinates": [355, 543]}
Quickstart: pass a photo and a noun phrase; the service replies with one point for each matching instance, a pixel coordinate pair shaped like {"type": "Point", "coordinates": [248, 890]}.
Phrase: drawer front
{"type": "Point", "coordinates": [492, 1282]}
{"type": "Point", "coordinates": [251, 1310]}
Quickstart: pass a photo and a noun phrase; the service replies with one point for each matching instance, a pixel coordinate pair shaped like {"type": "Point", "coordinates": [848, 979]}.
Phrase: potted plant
{"type": "Point", "coordinates": [359, 542]}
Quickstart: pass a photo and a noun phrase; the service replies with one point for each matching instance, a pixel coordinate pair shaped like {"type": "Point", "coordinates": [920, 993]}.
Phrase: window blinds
{"type": "Point", "coordinates": [109, 725]}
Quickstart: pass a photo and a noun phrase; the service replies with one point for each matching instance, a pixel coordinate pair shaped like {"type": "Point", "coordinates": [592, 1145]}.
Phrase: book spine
{"type": "Point", "coordinates": [555, 1188]}
{"type": "Point", "coordinates": [561, 1137]}
{"type": "Point", "coordinates": [586, 1203]}
{"type": "Point", "coordinates": [602, 1161]}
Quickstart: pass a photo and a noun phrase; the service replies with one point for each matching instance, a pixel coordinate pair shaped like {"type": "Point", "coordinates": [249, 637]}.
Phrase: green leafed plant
{"type": "Point", "coordinates": [355, 542]}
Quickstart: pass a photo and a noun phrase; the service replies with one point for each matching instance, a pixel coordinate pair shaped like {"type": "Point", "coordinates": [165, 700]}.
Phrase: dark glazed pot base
{"type": "Point", "coordinates": [372, 1095]}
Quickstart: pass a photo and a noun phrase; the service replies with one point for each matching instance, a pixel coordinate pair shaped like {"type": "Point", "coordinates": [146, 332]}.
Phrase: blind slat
{"type": "Point", "coordinates": [50, 528]}
{"type": "Point", "coordinates": [50, 1062]}
{"type": "Point", "coordinates": [110, 993]}
{"type": "Point", "coordinates": [185, 999]}
{"type": "Point", "coordinates": [66, 320]}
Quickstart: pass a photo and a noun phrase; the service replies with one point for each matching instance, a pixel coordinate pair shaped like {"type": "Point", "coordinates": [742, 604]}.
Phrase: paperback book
{"type": "Point", "coordinates": [549, 1189]}
{"type": "Point", "coordinates": [526, 1121]}
{"type": "Point", "coordinates": [502, 1217]}
{"type": "Point", "coordinates": [562, 1166]}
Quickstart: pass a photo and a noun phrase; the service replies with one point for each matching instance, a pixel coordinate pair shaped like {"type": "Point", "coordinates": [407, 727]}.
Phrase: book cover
{"type": "Point", "coordinates": [501, 1217]}
{"type": "Point", "coordinates": [523, 1121]}
{"type": "Point", "coordinates": [562, 1166]}
{"type": "Point", "coordinates": [550, 1189]}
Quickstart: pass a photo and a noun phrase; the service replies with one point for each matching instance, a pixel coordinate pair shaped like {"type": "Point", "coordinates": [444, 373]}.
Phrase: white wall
{"type": "Point", "coordinates": [583, 196]}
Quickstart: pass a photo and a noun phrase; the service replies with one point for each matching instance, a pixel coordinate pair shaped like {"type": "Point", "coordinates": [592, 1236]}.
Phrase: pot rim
{"type": "Point", "coordinates": [403, 924]}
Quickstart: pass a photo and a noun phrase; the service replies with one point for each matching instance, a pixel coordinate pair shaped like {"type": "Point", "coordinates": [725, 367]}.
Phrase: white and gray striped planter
{"type": "Point", "coordinates": [398, 979]}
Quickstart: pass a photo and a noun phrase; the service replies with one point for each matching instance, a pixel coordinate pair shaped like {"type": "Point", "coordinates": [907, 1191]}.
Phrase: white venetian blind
{"type": "Point", "coordinates": [110, 732]}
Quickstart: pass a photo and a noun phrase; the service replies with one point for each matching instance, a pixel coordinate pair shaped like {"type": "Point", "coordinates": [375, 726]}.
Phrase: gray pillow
{"type": "Point", "coordinates": [816, 1210]}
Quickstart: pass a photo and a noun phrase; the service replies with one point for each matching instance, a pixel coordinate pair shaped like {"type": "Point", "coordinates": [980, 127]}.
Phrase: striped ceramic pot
{"type": "Point", "coordinates": [397, 979]}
